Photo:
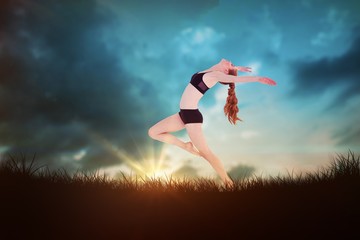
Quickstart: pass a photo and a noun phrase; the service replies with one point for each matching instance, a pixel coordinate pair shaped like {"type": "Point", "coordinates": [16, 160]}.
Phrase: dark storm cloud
{"type": "Point", "coordinates": [58, 82]}
{"type": "Point", "coordinates": [241, 171]}
{"type": "Point", "coordinates": [313, 77]}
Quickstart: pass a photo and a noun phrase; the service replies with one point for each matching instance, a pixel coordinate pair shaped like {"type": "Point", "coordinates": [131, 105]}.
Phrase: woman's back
{"type": "Point", "coordinates": [195, 90]}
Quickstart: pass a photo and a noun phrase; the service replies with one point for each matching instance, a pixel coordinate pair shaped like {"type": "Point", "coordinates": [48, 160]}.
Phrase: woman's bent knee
{"type": "Point", "coordinates": [152, 133]}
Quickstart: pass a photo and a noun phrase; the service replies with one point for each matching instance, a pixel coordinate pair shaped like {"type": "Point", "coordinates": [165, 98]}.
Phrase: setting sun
{"type": "Point", "coordinates": [147, 166]}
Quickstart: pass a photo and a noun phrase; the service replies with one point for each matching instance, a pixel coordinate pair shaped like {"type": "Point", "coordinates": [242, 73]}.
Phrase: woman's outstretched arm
{"type": "Point", "coordinates": [222, 77]}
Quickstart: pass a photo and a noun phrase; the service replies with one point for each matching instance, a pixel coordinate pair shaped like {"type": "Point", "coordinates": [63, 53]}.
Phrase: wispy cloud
{"type": "Point", "coordinates": [333, 27]}
{"type": "Point", "coordinates": [199, 42]}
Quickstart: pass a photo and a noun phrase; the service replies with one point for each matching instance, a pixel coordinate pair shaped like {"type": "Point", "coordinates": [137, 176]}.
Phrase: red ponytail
{"type": "Point", "coordinates": [231, 109]}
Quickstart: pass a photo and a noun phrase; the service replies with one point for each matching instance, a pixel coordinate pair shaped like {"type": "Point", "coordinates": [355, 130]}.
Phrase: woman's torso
{"type": "Point", "coordinates": [191, 96]}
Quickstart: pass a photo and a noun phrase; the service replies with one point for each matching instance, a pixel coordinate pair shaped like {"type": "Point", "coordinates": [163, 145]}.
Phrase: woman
{"type": "Point", "coordinates": [190, 117]}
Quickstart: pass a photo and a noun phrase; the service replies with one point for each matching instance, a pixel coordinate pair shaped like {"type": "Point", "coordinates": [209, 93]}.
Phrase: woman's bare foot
{"type": "Point", "coordinates": [190, 148]}
{"type": "Point", "coordinates": [228, 183]}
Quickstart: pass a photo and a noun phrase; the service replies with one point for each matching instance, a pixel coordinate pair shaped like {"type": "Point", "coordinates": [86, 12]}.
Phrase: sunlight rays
{"type": "Point", "coordinates": [148, 166]}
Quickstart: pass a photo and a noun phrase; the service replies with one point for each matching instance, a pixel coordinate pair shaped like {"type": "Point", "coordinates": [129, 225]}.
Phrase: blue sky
{"type": "Point", "coordinates": [81, 82]}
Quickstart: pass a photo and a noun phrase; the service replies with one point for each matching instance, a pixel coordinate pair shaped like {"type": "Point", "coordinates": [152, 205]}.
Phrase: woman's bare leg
{"type": "Point", "coordinates": [196, 135]}
{"type": "Point", "coordinates": [161, 132]}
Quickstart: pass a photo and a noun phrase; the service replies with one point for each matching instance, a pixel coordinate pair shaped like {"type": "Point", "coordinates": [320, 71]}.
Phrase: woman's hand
{"type": "Point", "coordinates": [243, 69]}
{"type": "Point", "coordinates": [266, 80]}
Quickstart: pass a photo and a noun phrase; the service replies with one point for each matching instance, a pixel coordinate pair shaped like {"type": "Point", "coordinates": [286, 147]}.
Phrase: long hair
{"type": "Point", "coordinates": [231, 109]}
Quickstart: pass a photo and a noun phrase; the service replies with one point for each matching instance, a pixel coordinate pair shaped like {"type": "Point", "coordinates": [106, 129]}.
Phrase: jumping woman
{"type": "Point", "coordinates": [190, 117]}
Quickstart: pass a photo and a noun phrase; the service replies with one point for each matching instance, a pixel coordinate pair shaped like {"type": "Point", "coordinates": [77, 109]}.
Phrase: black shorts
{"type": "Point", "coordinates": [191, 116]}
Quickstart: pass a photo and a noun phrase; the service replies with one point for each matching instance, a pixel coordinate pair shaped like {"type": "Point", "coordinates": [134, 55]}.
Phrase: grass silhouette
{"type": "Point", "coordinates": [39, 203]}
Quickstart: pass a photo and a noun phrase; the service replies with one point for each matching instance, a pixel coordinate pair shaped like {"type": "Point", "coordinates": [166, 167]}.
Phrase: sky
{"type": "Point", "coordinates": [81, 82]}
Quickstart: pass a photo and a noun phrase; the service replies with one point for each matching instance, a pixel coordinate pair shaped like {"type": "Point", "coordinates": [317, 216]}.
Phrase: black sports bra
{"type": "Point", "coordinates": [198, 82]}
